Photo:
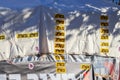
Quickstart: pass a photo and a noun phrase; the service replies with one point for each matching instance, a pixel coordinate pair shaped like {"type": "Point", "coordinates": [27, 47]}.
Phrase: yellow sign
{"type": "Point", "coordinates": [59, 16]}
{"type": "Point", "coordinates": [2, 37]}
{"type": "Point", "coordinates": [59, 45]}
{"type": "Point", "coordinates": [104, 24]}
{"type": "Point", "coordinates": [59, 39]}
{"type": "Point", "coordinates": [59, 51]}
{"type": "Point", "coordinates": [59, 21]}
{"type": "Point", "coordinates": [104, 17]}
{"type": "Point", "coordinates": [61, 70]}
{"type": "Point", "coordinates": [104, 44]}
{"type": "Point", "coordinates": [33, 35]}
{"type": "Point", "coordinates": [104, 50]}
{"type": "Point", "coordinates": [103, 30]}
{"type": "Point", "coordinates": [104, 37]}
{"type": "Point", "coordinates": [60, 64]}
{"type": "Point", "coordinates": [60, 34]}
{"type": "Point", "coordinates": [22, 35]}
{"type": "Point", "coordinates": [85, 66]}
{"type": "Point", "coordinates": [28, 35]}
{"type": "Point", "coordinates": [59, 27]}
{"type": "Point", "coordinates": [60, 57]}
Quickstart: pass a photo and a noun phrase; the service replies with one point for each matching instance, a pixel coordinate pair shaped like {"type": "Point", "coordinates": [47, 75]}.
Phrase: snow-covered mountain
{"type": "Point", "coordinates": [82, 26]}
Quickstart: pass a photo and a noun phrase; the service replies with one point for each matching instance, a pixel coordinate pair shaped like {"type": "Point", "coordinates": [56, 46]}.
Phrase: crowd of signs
{"type": "Point", "coordinates": [59, 46]}
{"type": "Point", "coordinates": [22, 35]}
{"type": "Point", "coordinates": [84, 67]}
{"type": "Point", "coordinates": [104, 34]}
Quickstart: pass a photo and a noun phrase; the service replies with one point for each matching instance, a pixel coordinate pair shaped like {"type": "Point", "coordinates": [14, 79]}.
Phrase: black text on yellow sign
{"type": "Point", "coordinates": [59, 45]}
{"type": "Point", "coordinates": [28, 35]}
{"type": "Point", "coordinates": [59, 51]}
{"type": "Point", "coordinates": [104, 37]}
{"type": "Point", "coordinates": [22, 35]}
{"type": "Point", "coordinates": [104, 50]}
{"type": "Point", "coordinates": [60, 64]}
{"type": "Point", "coordinates": [59, 21]}
{"type": "Point", "coordinates": [104, 17]}
{"type": "Point", "coordinates": [61, 70]}
{"type": "Point", "coordinates": [32, 35]}
{"type": "Point", "coordinates": [59, 57]}
{"type": "Point", "coordinates": [60, 33]}
{"type": "Point", "coordinates": [104, 34]}
{"type": "Point", "coordinates": [2, 37]}
{"type": "Point", "coordinates": [59, 16]}
{"type": "Point", "coordinates": [59, 27]}
{"type": "Point", "coordinates": [104, 24]}
{"type": "Point", "coordinates": [59, 39]}
{"type": "Point", "coordinates": [85, 66]}
{"type": "Point", "coordinates": [104, 44]}
{"type": "Point", "coordinates": [104, 31]}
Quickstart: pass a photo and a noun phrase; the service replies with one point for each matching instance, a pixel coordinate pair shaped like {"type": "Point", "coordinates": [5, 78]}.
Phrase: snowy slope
{"type": "Point", "coordinates": [20, 18]}
{"type": "Point", "coordinates": [82, 19]}
{"type": "Point", "coordinates": [82, 26]}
